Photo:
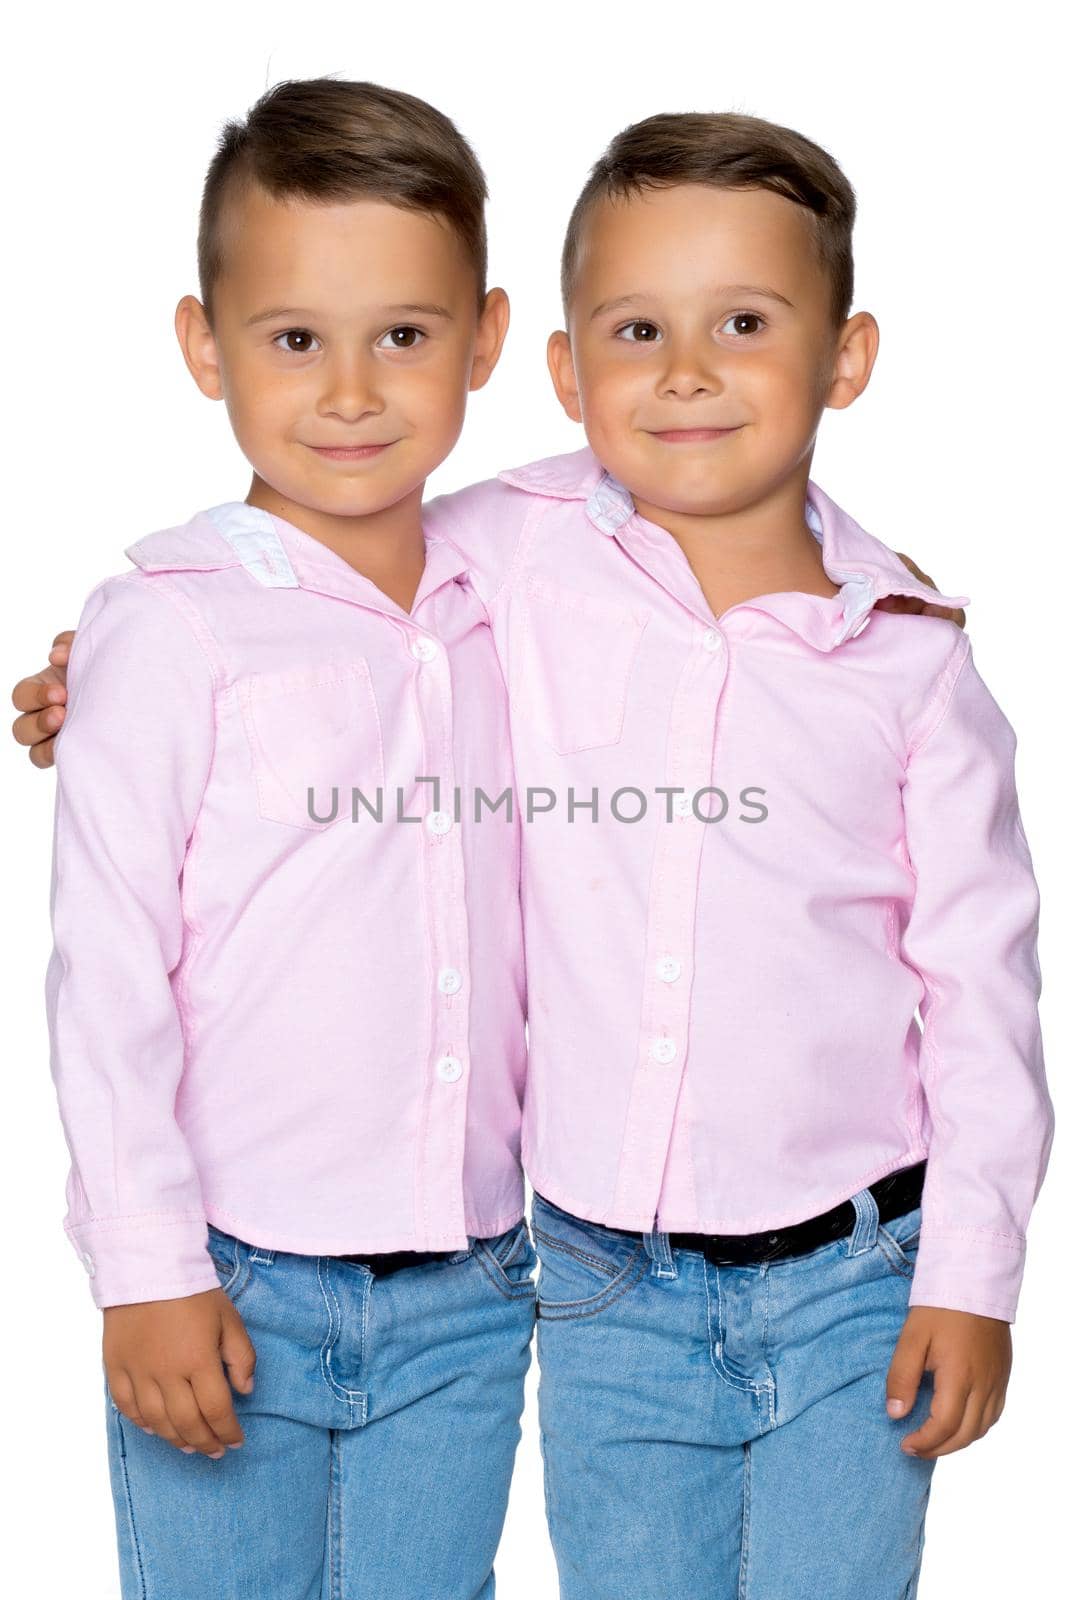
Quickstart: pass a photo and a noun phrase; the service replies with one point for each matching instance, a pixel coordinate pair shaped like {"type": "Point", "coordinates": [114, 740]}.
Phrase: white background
{"type": "Point", "coordinates": [949, 129]}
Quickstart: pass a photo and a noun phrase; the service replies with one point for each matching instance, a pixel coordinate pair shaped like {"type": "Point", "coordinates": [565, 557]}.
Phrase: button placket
{"type": "Point", "coordinates": [664, 1029]}
{"type": "Point", "coordinates": [440, 1200]}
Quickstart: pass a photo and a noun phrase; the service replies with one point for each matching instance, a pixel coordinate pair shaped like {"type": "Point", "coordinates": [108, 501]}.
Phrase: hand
{"type": "Point", "coordinates": [165, 1363]}
{"type": "Point", "coordinates": [907, 602]}
{"type": "Point", "coordinates": [43, 701]}
{"type": "Point", "coordinates": [970, 1357]}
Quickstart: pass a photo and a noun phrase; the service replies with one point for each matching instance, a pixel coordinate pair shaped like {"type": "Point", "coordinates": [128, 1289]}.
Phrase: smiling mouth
{"type": "Point", "coordinates": [350, 452]}
{"type": "Point", "coordinates": [692, 435]}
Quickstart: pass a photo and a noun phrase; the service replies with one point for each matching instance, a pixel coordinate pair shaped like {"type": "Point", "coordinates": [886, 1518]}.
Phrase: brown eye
{"type": "Point", "coordinates": [639, 332]}
{"type": "Point", "coordinates": [748, 317]}
{"type": "Point", "coordinates": [404, 338]}
{"type": "Point", "coordinates": [298, 341]}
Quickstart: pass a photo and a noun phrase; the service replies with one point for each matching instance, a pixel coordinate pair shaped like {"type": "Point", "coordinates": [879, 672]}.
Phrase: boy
{"type": "Point", "coordinates": [287, 1036]}
{"type": "Point", "coordinates": [807, 827]}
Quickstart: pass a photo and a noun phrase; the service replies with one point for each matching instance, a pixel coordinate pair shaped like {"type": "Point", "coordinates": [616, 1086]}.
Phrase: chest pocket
{"type": "Point", "coordinates": [573, 656]}
{"type": "Point", "coordinates": [312, 728]}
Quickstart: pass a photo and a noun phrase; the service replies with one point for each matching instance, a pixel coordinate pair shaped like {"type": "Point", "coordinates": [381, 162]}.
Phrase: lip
{"type": "Point", "coordinates": [692, 435]}
{"type": "Point", "coordinates": [350, 452]}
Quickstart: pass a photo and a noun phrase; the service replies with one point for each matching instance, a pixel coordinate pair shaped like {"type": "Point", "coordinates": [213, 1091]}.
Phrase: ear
{"type": "Point", "coordinates": [198, 346]}
{"type": "Point", "coordinates": [492, 329]}
{"type": "Point", "coordinates": [857, 348]}
{"type": "Point", "coordinates": [564, 380]}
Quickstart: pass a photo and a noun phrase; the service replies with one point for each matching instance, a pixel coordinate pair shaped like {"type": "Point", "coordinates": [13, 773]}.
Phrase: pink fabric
{"type": "Point", "coordinates": [722, 1024]}
{"type": "Point", "coordinates": [310, 1034]}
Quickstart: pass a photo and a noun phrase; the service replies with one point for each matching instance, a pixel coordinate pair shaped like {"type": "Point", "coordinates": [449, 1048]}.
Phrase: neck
{"type": "Point", "coordinates": [386, 546]}
{"type": "Point", "coordinates": [765, 547]}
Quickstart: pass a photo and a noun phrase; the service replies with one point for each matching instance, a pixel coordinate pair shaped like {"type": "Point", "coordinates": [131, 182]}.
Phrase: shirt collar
{"type": "Point", "coordinates": [866, 569]}
{"type": "Point", "coordinates": [279, 555]}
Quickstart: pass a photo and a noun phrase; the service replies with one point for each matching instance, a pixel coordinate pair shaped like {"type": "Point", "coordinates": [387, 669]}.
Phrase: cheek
{"type": "Point", "coordinates": [611, 395]}
{"type": "Point", "coordinates": [432, 399]}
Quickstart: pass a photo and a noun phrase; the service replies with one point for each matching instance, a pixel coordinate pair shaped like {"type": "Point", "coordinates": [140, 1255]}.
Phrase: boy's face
{"type": "Point", "coordinates": [349, 328]}
{"type": "Point", "coordinates": [699, 309]}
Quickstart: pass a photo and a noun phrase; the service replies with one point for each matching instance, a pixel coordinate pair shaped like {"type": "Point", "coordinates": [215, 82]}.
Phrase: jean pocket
{"type": "Point", "coordinates": [572, 661]}
{"type": "Point", "coordinates": [509, 1260]}
{"type": "Point", "coordinates": [584, 1268]}
{"type": "Point", "coordinates": [899, 1240]}
{"type": "Point", "coordinates": [232, 1260]}
{"type": "Point", "coordinates": [310, 731]}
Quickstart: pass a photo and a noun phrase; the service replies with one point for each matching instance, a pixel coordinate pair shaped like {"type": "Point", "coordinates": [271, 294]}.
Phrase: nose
{"type": "Point", "coordinates": [350, 387]}
{"type": "Point", "coordinates": [688, 371]}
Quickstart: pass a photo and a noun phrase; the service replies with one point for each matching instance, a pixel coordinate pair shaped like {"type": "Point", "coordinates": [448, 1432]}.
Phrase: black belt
{"type": "Point", "coordinates": [894, 1194]}
{"type": "Point", "coordinates": [384, 1262]}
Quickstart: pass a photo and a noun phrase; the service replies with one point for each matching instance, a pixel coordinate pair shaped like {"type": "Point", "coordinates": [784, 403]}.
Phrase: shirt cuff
{"type": "Point", "coordinates": [132, 1259]}
{"type": "Point", "coordinates": [968, 1271]}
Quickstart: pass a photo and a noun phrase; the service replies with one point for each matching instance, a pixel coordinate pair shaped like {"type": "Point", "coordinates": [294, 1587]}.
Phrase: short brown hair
{"type": "Point", "coordinates": [727, 150]}
{"type": "Point", "coordinates": [329, 139]}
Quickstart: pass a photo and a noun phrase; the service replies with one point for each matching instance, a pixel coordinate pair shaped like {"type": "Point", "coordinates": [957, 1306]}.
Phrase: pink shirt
{"type": "Point", "coordinates": [308, 1032]}
{"type": "Point", "coordinates": [722, 1013]}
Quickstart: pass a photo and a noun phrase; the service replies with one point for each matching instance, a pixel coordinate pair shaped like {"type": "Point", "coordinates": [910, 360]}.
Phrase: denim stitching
{"type": "Point", "coordinates": [552, 1310]}
{"type": "Point", "coordinates": [609, 1271]}
{"type": "Point", "coordinates": [516, 1244]}
{"type": "Point", "coordinates": [903, 1268]}
{"type": "Point", "coordinates": [746, 1515]}
{"type": "Point", "coordinates": [334, 1526]}
{"type": "Point", "coordinates": [716, 1346]}
{"type": "Point", "coordinates": [514, 1291]}
{"type": "Point", "coordinates": [135, 1541]}
{"type": "Point", "coordinates": [355, 1398]}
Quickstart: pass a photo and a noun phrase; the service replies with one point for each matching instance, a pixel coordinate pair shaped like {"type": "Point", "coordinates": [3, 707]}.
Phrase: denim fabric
{"type": "Point", "coordinates": [379, 1439]}
{"type": "Point", "coordinates": [713, 1432]}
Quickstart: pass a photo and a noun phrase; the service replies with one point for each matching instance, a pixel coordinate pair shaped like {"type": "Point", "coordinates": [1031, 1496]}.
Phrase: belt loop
{"type": "Point", "coordinates": [658, 1246]}
{"type": "Point", "coordinates": [260, 1253]}
{"type": "Point", "coordinates": [865, 1232]}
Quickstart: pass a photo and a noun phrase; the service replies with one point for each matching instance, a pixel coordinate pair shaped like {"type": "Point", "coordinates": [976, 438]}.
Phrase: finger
{"type": "Point", "coordinates": [151, 1406]}
{"type": "Point", "coordinates": [995, 1408]}
{"type": "Point", "coordinates": [188, 1420]}
{"type": "Point", "coordinates": [44, 688]}
{"type": "Point", "coordinates": [33, 726]}
{"type": "Point", "coordinates": [946, 1413]}
{"type": "Point", "coordinates": [237, 1351]}
{"type": "Point", "coordinates": [950, 613]}
{"type": "Point", "coordinates": [122, 1393]}
{"type": "Point", "coordinates": [970, 1429]}
{"type": "Point", "coordinates": [43, 754]}
{"type": "Point", "coordinates": [63, 638]}
{"type": "Point", "coordinates": [905, 1375]}
{"type": "Point", "coordinates": [213, 1396]}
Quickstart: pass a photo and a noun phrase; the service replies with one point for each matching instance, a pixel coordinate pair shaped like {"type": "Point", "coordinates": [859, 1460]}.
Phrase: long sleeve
{"type": "Point", "coordinates": [132, 759]}
{"type": "Point", "coordinates": [972, 938]}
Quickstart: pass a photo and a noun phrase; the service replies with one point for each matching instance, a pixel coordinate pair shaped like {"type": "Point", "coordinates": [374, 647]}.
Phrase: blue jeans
{"type": "Point", "coordinates": [713, 1432]}
{"type": "Point", "coordinates": [380, 1435]}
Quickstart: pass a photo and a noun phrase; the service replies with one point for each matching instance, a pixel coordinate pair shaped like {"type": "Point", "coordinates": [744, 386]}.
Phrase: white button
{"type": "Point", "coordinates": [89, 1263]}
{"type": "Point", "coordinates": [449, 980]}
{"type": "Point", "coordinates": [449, 1068]}
{"type": "Point", "coordinates": [664, 1050]}
{"type": "Point", "coordinates": [423, 649]}
{"type": "Point", "coordinates": [438, 821]}
{"type": "Point", "coordinates": [668, 968]}
{"type": "Point", "coordinates": [712, 640]}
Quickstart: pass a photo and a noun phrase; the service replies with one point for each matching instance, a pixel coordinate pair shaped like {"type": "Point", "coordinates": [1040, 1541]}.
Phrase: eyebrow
{"type": "Point", "coordinates": [299, 312]}
{"type": "Point", "coordinates": [726, 288]}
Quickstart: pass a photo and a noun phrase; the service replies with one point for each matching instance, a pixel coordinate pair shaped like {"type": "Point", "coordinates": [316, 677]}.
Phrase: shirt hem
{"type": "Point", "coordinates": [709, 1222]}
{"type": "Point", "coordinates": [360, 1240]}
